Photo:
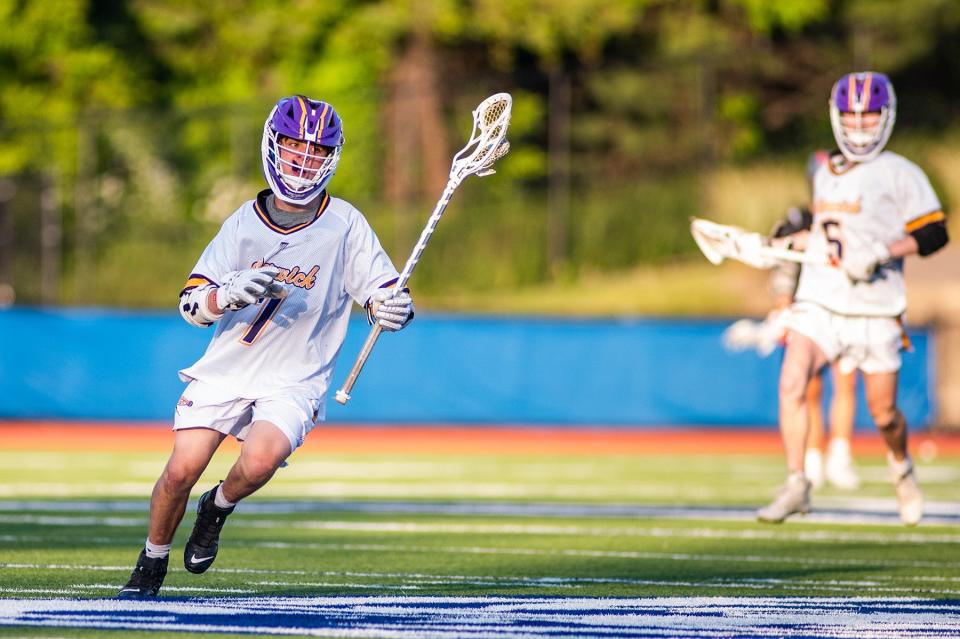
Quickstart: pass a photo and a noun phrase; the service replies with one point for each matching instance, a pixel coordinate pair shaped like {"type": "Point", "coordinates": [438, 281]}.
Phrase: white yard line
{"type": "Point", "coordinates": [826, 510]}
{"type": "Point", "coordinates": [506, 529]}
{"type": "Point", "coordinates": [617, 554]}
{"type": "Point", "coordinates": [594, 531]}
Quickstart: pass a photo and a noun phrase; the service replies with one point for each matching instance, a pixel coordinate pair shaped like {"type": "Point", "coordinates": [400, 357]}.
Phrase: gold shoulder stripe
{"type": "Point", "coordinates": [196, 281]}
{"type": "Point", "coordinates": [923, 220]}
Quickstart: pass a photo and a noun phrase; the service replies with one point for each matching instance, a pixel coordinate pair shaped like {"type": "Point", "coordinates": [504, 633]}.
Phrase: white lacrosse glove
{"type": "Point", "coordinates": [390, 308]}
{"type": "Point", "coordinates": [861, 260]}
{"type": "Point", "coordinates": [749, 247]}
{"type": "Point", "coordinates": [242, 288]}
{"type": "Point", "coordinates": [763, 336]}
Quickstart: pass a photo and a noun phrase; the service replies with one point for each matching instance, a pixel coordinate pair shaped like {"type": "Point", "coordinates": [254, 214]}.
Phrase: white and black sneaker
{"type": "Point", "coordinates": [146, 578]}
{"type": "Point", "coordinates": [201, 548]}
{"type": "Point", "coordinates": [909, 496]}
{"type": "Point", "coordinates": [793, 499]}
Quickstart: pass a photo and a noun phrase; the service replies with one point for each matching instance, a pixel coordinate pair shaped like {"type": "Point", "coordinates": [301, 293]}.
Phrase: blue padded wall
{"type": "Point", "coordinates": [98, 364]}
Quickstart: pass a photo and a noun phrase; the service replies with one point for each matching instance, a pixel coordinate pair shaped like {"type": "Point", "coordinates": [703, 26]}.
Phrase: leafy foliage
{"type": "Point", "coordinates": [142, 117]}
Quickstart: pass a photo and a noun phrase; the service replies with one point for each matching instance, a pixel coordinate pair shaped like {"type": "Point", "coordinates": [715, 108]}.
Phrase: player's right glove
{"type": "Point", "coordinates": [390, 308]}
{"type": "Point", "coordinates": [862, 259]}
{"type": "Point", "coordinates": [242, 288]}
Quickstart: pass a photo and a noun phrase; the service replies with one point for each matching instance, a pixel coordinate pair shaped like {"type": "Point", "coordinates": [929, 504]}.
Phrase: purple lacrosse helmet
{"type": "Point", "coordinates": [860, 93]}
{"type": "Point", "coordinates": [302, 139]}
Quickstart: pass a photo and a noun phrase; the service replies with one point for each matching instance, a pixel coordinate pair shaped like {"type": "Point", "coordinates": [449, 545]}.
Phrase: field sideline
{"type": "Point", "coordinates": [444, 532]}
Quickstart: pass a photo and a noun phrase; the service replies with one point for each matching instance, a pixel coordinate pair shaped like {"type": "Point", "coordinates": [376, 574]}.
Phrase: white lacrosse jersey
{"type": "Point", "coordinates": [853, 205]}
{"type": "Point", "coordinates": [325, 264]}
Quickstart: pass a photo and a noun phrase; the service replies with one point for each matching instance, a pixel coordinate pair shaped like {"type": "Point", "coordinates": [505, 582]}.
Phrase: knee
{"type": "Point", "coordinates": [793, 387]}
{"type": "Point", "coordinates": [886, 417]}
{"type": "Point", "coordinates": [259, 466]}
{"type": "Point", "coordinates": [180, 477]}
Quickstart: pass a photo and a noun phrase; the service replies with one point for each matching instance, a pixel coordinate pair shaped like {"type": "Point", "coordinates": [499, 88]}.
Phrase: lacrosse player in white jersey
{"type": "Point", "coordinates": [767, 335]}
{"type": "Point", "coordinates": [871, 209]}
{"type": "Point", "coordinates": [278, 281]}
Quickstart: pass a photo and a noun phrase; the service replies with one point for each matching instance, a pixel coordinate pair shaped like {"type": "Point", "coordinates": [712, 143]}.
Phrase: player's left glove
{"type": "Point", "coordinates": [390, 308]}
{"type": "Point", "coordinates": [763, 336]}
{"type": "Point", "coordinates": [242, 288]}
{"type": "Point", "coordinates": [861, 261]}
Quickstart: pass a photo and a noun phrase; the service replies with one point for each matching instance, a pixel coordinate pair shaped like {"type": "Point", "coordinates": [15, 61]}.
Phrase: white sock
{"type": "Point", "coordinates": [220, 501]}
{"type": "Point", "coordinates": [900, 468]}
{"type": "Point", "coordinates": [156, 551]}
{"type": "Point", "coordinates": [838, 447]}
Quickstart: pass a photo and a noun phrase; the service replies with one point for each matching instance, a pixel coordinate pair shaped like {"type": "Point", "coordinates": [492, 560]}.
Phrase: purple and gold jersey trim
{"type": "Point", "coordinates": [923, 220]}
{"type": "Point", "coordinates": [195, 280]}
{"type": "Point", "coordinates": [389, 282]}
{"type": "Point", "coordinates": [260, 206]}
{"type": "Point", "coordinates": [838, 164]}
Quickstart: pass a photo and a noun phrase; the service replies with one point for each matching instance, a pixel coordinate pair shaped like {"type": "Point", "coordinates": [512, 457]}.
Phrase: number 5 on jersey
{"type": "Point", "coordinates": [834, 233]}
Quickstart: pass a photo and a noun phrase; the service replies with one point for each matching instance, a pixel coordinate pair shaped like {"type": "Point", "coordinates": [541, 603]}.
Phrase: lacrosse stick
{"type": "Point", "coordinates": [487, 144]}
{"type": "Point", "coordinates": [721, 241]}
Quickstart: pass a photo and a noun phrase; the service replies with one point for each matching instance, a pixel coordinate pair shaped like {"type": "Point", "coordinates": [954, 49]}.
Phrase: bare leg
{"type": "Point", "coordinates": [839, 465]}
{"type": "Point", "coordinates": [261, 455]}
{"type": "Point", "coordinates": [881, 391]}
{"type": "Point", "coordinates": [844, 403]}
{"type": "Point", "coordinates": [803, 358]}
{"type": "Point", "coordinates": [800, 364]}
{"type": "Point", "coordinates": [882, 400]}
{"type": "Point", "coordinates": [192, 450]}
{"type": "Point", "coordinates": [815, 412]}
{"type": "Point", "coordinates": [813, 459]}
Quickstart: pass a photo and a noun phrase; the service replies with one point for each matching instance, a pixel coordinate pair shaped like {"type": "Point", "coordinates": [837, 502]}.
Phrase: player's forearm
{"type": "Point", "coordinates": [212, 305]}
{"type": "Point", "coordinates": [198, 306]}
{"type": "Point", "coordinates": [904, 247]}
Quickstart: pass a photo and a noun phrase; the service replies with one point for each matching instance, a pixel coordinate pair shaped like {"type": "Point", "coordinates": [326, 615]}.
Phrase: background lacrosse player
{"type": "Point", "coordinates": [767, 335]}
{"type": "Point", "coordinates": [279, 280]}
{"type": "Point", "coordinates": [871, 208]}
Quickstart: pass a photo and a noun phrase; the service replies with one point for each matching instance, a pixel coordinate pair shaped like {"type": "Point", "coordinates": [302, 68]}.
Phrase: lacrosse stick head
{"type": "Point", "coordinates": [488, 141]}
{"type": "Point", "coordinates": [713, 239]}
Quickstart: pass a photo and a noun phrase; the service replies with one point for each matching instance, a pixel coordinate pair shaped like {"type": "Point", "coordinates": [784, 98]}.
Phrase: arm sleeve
{"type": "Point", "coordinates": [916, 198]}
{"type": "Point", "coordinates": [367, 266]}
{"type": "Point", "coordinates": [921, 211]}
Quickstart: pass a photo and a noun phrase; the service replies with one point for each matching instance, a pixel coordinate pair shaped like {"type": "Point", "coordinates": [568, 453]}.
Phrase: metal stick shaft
{"type": "Point", "coordinates": [428, 229]}
{"type": "Point", "coordinates": [789, 255]}
{"type": "Point", "coordinates": [343, 395]}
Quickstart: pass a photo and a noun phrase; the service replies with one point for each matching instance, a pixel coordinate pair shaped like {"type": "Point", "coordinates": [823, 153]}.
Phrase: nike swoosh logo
{"type": "Point", "coordinates": [199, 560]}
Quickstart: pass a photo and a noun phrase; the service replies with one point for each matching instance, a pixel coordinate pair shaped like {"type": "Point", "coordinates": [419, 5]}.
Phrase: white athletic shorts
{"type": "Point", "coordinates": [206, 406]}
{"type": "Point", "coordinates": [871, 344]}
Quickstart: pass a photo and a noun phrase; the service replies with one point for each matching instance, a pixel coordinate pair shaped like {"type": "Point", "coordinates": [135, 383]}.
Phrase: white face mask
{"type": "Point", "coordinates": [857, 142]}
{"type": "Point", "coordinates": [858, 132]}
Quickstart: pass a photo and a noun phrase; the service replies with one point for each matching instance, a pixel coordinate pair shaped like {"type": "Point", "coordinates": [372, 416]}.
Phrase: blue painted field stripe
{"type": "Point", "coordinates": [519, 617]}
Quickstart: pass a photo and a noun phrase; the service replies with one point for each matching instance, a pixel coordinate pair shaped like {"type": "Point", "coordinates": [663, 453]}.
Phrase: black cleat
{"type": "Point", "coordinates": [146, 578]}
{"type": "Point", "coordinates": [201, 548]}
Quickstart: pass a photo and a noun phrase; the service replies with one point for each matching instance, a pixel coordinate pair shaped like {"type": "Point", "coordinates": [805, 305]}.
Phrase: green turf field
{"type": "Point", "coordinates": [71, 525]}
